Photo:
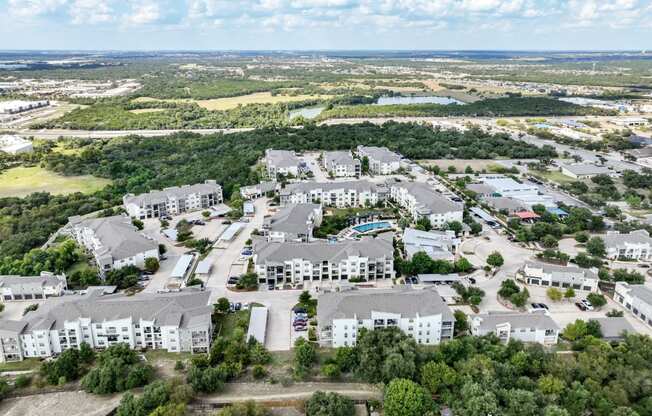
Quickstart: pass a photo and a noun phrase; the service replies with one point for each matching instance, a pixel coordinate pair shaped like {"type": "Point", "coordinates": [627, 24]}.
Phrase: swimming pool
{"type": "Point", "coordinates": [365, 228]}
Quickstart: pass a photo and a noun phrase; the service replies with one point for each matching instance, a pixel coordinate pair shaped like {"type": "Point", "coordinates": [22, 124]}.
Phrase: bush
{"type": "Point", "coordinates": [66, 367]}
{"type": "Point", "coordinates": [595, 247]}
{"type": "Point", "coordinates": [248, 281]}
{"type": "Point", "coordinates": [23, 381]}
{"type": "Point", "coordinates": [152, 265]}
{"type": "Point", "coordinates": [331, 371]}
{"type": "Point", "coordinates": [248, 408]}
{"type": "Point", "coordinates": [258, 371]}
{"type": "Point", "coordinates": [30, 308]}
{"type": "Point", "coordinates": [581, 237]}
{"type": "Point", "coordinates": [597, 300]}
{"type": "Point", "coordinates": [329, 404]}
{"type": "Point", "coordinates": [304, 357]}
{"type": "Point", "coordinates": [495, 259]}
{"type": "Point", "coordinates": [554, 294]}
{"type": "Point", "coordinates": [406, 398]}
{"type": "Point", "coordinates": [118, 369]}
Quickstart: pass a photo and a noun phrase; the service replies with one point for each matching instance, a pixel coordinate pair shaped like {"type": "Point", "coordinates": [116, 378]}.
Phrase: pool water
{"type": "Point", "coordinates": [372, 226]}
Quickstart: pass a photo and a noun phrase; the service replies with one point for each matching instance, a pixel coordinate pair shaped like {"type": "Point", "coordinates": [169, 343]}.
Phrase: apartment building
{"type": "Point", "coordinates": [585, 170]}
{"type": "Point", "coordinates": [334, 194]}
{"type": "Point", "coordinates": [293, 263]}
{"type": "Point", "coordinates": [294, 222]}
{"type": "Point", "coordinates": [281, 162]}
{"type": "Point", "coordinates": [635, 245]}
{"type": "Point", "coordinates": [114, 242]}
{"type": "Point", "coordinates": [422, 201]}
{"type": "Point", "coordinates": [421, 314]}
{"type": "Point", "coordinates": [15, 145]}
{"type": "Point", "coordinates": [175, 322]}
{"type": "Point", "coordinates": [525, 327]}
{"type": "Point", "coordinates": [173, 200]}
{"type": "Point", "coordinates": [439, 245]}
{"type": "Point", "coordinates": [550, 275]}
{"type": "Point", "coordinates": [259, 190]}
{"type": "Point", "coordinates": [382, 161]}
{"type": "Point", "coordinates": [32, 287]}
{"type": "Point", "coordinates": [503, 190]}
{"type": "Point", "coordinates": [341, 164]}
{"type": "Point", "coordinates": [637, 299]}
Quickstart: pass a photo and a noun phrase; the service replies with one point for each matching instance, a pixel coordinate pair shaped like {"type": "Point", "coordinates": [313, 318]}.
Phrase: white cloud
{"type": "Point", "coordinates": [144, 13]}
{"type": "Point", "coordinates": [33, 8]}
{"type": "Point", "coordinates": [84, 12]}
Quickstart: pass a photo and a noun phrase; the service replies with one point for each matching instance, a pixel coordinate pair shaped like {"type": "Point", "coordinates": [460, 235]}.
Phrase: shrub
{"type": "Point", "coordinates": [22, 381]}
{"type": "Point", "coordinates": [259, 372]}
{"type": "Point", "coordinates": [406, 398]}
{"type": "Point", "coordinates": [331, 371]}
{"type": "Point", "coordinates": [554, 294]}
{"type": "Point", "coordinates": [597, 299]}
{"type": "Point", "coordinates": [331, 404]}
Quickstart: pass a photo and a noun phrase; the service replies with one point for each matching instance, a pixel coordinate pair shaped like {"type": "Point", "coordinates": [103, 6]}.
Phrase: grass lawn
{"type": "Point", "coordinates": [25, 365]}
{"type": "Point", "coordinates": [22, 181]}
{"type": "Point", "coordinates": [226, 323]}
{"type": "Point", "coordinates": [79, 266]}
{"type": "Point", "coordinates": [554, 176]}
{"type": "Point", "coordinates": [162, 355]}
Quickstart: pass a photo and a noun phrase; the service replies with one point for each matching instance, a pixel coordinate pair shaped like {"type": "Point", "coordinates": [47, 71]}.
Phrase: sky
{"type": "Point", "coordinates": [326, 24]}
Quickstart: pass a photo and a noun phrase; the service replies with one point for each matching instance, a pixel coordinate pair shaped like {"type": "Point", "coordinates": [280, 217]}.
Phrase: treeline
{"type": "Point", "coordinates": [497, 107]}
{"type": "Point", "coordinates": [482, 376]}
{"type": "Point", "coordinates": [137, 164]}
{"type": "Point", "coordinates": [206, 86]}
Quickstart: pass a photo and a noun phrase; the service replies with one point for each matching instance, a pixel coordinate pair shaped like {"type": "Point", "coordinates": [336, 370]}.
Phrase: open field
{"type": "Point", "coordinates": [555, 176]}
{"type": "Point", "coordinates": [232, 102]}
{"type": "Point", "coordinates": [461, 164]}
{"type": "Point", "coordinates": [147, 110]}
{"type": "Point", "coordinates": [22, 181]}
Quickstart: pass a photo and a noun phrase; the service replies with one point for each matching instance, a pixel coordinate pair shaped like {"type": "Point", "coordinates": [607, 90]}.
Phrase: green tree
{"type": "Point", "coordinates": [596, 299]}
{"type": "Point", "coordinates": [304, 357]}
{"type": "Point", "coordinates": [581, 237]}
{"type": "Point", "coordinates": [438, 378]}
{"type": "Point", "coordinates": [554, 294]}
{"type": "Point", "coordinates": [550, 385]}
{"type": "Point", "coordinates": [406, 398]}
{"type": "Point", "coordinates": [248, 408]}
{"type": "Point", "coordinates": [569, 293]}
{"type": "Point", "coordinates": [222, 305]}
{"type": "Point", "coordinates": [495, 259]}
{"type": "Point", "coordinates": [137, 223]}
{"type": "Point", "coordinates": [329, 404]}
{"type": "Point", "coordinates": [461, 323]}
{"type": "Point", "coordinates": [151, 264]}
{"type": "Point", "coordinates": [595, 247]}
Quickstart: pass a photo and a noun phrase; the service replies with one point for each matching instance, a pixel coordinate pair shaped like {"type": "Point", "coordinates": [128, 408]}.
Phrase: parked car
{"type": "Point", "coordinates": [472, 280]}
{"type": "Point", "coordinates": [301, 329]}
{"type": "Point", "coordinates": [299, 309]}
{"type": "Point", "coordinates": [588, 304]}
{"type": "Point", "coordinates": [247, 252]}
{"type": "Point", "coordinates": [581, 306]}
{"type": "Point", "coordinates": [226, 222]}
{"type": "Point", "coordinates": [537, 307]}
{"type": "Point", "coordinates": [270, 286]}
{"type": "Point", "coordinates": [237, 306]}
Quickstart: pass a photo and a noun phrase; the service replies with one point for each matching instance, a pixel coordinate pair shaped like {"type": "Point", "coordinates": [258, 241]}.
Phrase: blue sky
{"type": "Point", "coordinates": [325, 24]}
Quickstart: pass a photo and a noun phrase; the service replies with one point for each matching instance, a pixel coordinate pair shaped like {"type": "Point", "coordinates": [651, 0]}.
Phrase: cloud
{"type": "Point", "coordinates": [34, 8]}
{"type": "Point", "coordinates": [145, 12]}
{"type": "Point", "coordinates": [83, 12]}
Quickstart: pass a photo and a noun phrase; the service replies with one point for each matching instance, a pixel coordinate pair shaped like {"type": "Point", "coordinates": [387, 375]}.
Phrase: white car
{"type": "Point", "coordinates": [589, 306]}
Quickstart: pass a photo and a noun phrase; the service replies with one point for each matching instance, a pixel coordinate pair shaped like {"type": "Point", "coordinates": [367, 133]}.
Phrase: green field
{"type": "Point", "coordinates": [22, 181]}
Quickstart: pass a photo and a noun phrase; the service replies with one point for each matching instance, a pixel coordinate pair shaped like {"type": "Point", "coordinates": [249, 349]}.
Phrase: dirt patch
{"type": "Point", "coordinates": [76, 403]}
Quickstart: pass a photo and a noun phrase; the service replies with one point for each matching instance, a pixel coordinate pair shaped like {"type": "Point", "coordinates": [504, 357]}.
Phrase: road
{"type": "Point", "coordinates": [54, 134]}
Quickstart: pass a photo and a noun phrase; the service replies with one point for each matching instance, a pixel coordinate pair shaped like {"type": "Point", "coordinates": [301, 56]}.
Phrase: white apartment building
{"type": "Point", "coordinates": [341, 164]}
{"type": "Point", "coordinates": [294, 222]}
{"type": "Point", "coordinates": [15, 145]}
{"type": "Point", "coordinates": [293, 264]}
{"type": "Point", "coordinates": [179, 322]}
{"type": "Point", "coordinates": [549, 275]}
{"type": "Point", "coordinates": [439, 245]}
{"type": "Point", "coordinates": [636, 245]}
{"type": "Point", "coordinates": [525, 327]}
{"type": "Point", "coordinates": [113, 241]}
{"type": "Point", "coordinates": [421, 314]}
{"type": "Point", "coordinates": [334, 194]}
{"type": "Point", "coordinates": [382, 161]}
{"type": "Point", "coordinates": [18, 106]}
{"type": "Point", "coordinates": [281, 162]}
{"type": "Point", "coordinates": [259, 190]}
{"type": "Point", "coordinates": [422, 201]}
{"type": "Point", "coordinates": [637, 299]}
{"type": "Point", "coordinates": [32, 287]}
{"type": "Point", "coordinates": [174, 200]}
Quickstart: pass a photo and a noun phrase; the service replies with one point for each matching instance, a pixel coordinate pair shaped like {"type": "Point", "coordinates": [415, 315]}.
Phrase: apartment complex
{"type": "Point", "coordinates": [259, 190]}
{"type": "Point", "coordinates": [499, 190]}
{"type": "Point", "coordinates": [422, 201]}
{"type": "Point", "coordinates": [334, 194]}
{"type": "Point", "coordinates": [525, 327]}
{"type": "Point", "coordinates": [382, 161]}
{"type": "Point", "coordinates": [179, 322]}
{"type": "Point", "coordinates": [113, 241]}
{"type": "Point", "coordinates": [439, 245]}
{"type": "Point", "coordinates": [15, 145]}
{"type": "Point", "coordinates": [550, 275]}
{"type": "Point", "coordinates": [635, 245]}
{"type": "Point", "coordinates": [637, 299]}
{"type": "Point", "coordinates": [174, 200]}
{"type": "Point", "coordinates": [294, 222]}
{"type": "Point", "coordinates": [421, 314]}
{"type": "Point", "coordinates": [281, 162]}
{"type": "Point", "coordinates": [293, 263]}
{"type": "Point", "coordinates": [342, 164]}
{"type": "Point", "coordinates": [585, 170]}
{"type": "Point", "coordinates": [32, 287]}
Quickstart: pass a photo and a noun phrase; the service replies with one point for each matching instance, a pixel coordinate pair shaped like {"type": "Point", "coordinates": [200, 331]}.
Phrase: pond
{"type": "Point", "coordinates": [308, 112]}
{"type": "Point", "coordinates": [417, 100]}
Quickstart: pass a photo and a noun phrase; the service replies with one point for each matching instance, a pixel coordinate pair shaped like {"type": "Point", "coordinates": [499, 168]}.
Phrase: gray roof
{"type": "Point", "coordinates": [174, 192]}
{"type": "Point", "coordinates": [360, 303]}
{"type": "Point", "coordinates": [281, 158]}
{"type": "Point", "coordinates": [564, 272]}
{"type": "Point", "coordinates": [120, 238]}
{"type": "Point", "coordinates": [381, 154]}
{"type": "Point", "coordinates": [510, 204]}
{"type": "Point", "coordinates": [263, 187]}
{"type": "Point", "coordinates": [641, 292]}
{"type": "Point", "coordinates": [185, 309]}
{"type": "Point", "coordinates": [437, 244]}
{"type": "Point", "coordinates": [490, 320]}
{"type": "Point", "coordinates": [480, 188]}
{"type": "Point", "coordinates": [431, 201]}
{"type": "Point", "coordinates": [615, 239]}
{"type": "Point", "coordinates": [339, 157]}
{"type": "Point", "coordinates": [586, 169]}
{"type": "Point", "coordinates": [614, 327]}
{"type": "Point", "coordinates": [359, 186]}
{"type": "Point", "coordinates": [272, 252]}
{"type": "Point", "coordinates": [19, 283]}
{"type": "Point", "coordinates": [11, 328]}
{"type": "Point", "coordinates": [257, 323]}
{"type": "Point", "coordinates": [292, 218]}
{"type": "Point", "coordinates": [434, 278]}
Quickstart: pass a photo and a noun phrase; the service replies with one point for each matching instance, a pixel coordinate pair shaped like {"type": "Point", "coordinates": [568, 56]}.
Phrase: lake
{"type": "Point", "coordinates": [417, 100]}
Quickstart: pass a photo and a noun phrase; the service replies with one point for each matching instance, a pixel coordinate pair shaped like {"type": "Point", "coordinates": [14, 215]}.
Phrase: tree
{"type": "Point", "coordinates": [597, 299]}
{"type": "Point", "coordinates": [495, 259]}
{"type": "Point", "coordinates": [151, 264]}
{"type": "Point", "coordinates": [305, 297]}
{"type": "Point", "coordinates": [423, 224]}
{"type": "Point", "coordinates": [406, 398]}
{"type": "Point", "coordinates": [331, 371]}
{"type": "Point", "coordinates": [455, 226]}
{"type": "Point", "coordinates": [554, 294]}
{"type": "Point", "coordinates": [438, 377]}
{"type": "Point", "coordinates": [463, 265]}
{"type": "Point", "coordinates": [550, 385]}
{"type": "Point", "coordinates": [223, 305]}
{"type": "Point", "coordinates": [162, 249]}
{"type": "Point", "coordinates": [206, 214]}
{"type": "Point", "coordinates": [549, 241]}
{"type": "Point", "coordinates": [569, 293]}
{"type": "Point", "coordinates": [595, 247]}
{"type": "Point", "coordinates": [248, 408]}
{"type": "Point", "coordinates": [581, 237]}
{"type": "Point", "coordinates": [461, 323]}
{"type": "Point", "coordinates": [329, 404]}
{"type": "Point", "coordinates": [137, 223]}
{"type": "Point", "coordinates": [304, 357]}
